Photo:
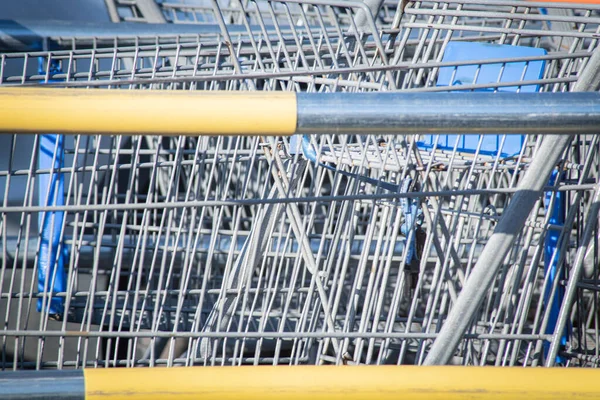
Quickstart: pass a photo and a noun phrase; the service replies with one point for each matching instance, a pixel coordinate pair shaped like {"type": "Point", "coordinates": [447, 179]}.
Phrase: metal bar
{"type": "Point", "coordinates": [26, 35]}
{"type": "Point", "coordinates": [304, 199]}
{"type": "Point", "coordinates": [511, 224]}
{"type": "Point", "coordinates": [384, 382]}
{"type": "Point", "coordinates": [574, 2]}
{"type": "Point", "coordinates": [111, 8]}
{"type": "Point", "coordinates": [565, 310]}
{"type": "Point", "coordinates": [150, 11]}
{"type": "Point", "coordinates": [362, 18]}
{"type": "Point", "coordinates": [258, 335]}
{"type": "Point", "coordinates": [51, 385]}
{"type": "Point", "coordinates": [295, 218]}
{"type": "Point", "coordinates": [389, 382]}
{"type": "Point", "coordinates": [129, 112]}
{"type": "Point", "coordinates": [547, 3]}
{"type": "Point", "coordinates": [418, 113]}
{"type": "Point", "coordinates": [189, 113]}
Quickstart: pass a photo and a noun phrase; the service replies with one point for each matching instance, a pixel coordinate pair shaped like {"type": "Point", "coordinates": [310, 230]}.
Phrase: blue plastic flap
{"type": "Point", "coordinates": [485, 74]}
{"type": "Point", "coordinates": [551, 265]}
{"type": "Point", "coordinates": [52, 277]}
{"type": "Point", "coordinates": [51, 270]}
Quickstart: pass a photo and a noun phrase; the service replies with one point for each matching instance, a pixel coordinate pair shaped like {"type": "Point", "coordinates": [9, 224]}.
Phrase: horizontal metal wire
{"type": "Point", "coordinates": [259, 335]}
{"type": "Point", "coordinates": [285, 200]}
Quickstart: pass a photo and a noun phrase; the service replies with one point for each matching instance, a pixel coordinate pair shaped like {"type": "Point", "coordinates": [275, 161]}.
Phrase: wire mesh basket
{"type": "Point", "coordinates": [147, 251]}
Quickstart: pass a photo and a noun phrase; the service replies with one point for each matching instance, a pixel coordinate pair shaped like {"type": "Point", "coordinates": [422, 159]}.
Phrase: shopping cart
{"type": "Point", "coordinates": [151, 262]}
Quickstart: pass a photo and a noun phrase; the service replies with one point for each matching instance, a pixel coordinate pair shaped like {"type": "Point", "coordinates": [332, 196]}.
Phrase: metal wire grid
{"type": "Point", "coordinates": [263, 53]}
{"type": "Point", "coordinates": [318, 58]}
{"type": "Point", "coordinates": [134, 11]}
{"type": "Point", "coordinates": [238, 12]}
{"type": "Point", "coordinates": [207, 11]}
{"type": "Point", "coordinates": [163, 269]}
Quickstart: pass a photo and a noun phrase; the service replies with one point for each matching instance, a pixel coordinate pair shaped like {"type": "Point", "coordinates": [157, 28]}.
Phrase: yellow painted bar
{"type": "Point", "coordinates": [341, 383]}
{"type": "Point", "coordinates": [160, 112]}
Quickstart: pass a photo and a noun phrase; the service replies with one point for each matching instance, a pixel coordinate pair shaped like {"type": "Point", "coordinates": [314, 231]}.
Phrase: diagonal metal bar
{"type": "Point", "coordinates": [295, 219]}
{"type": "Point", "coordinates": [512, 222]}
{"type": "Point", "coordinates": [575, 273]}
{"type": "Point", "coordinates": [246, 263]}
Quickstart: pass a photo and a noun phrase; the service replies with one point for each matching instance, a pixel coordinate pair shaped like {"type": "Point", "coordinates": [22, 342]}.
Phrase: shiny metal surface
{"type": "Point", "coordinates": [35, 35]}
{"type": "Point", "coordinates": [476, 113]}
{"type": "Point", "coordinates": [65, 10]}
{"type": "Point", "coordinates": [38, 385]}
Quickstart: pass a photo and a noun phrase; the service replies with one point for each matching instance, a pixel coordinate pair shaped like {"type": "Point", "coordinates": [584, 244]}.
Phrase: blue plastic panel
{"type": "Point", "coordinates": [51, 192]}
{"type": "Point", "coordinates": [491, 73]}
{"type": "Point", "coordinates": [551, 265]}
{"type": "Point", "coordinates": [51, 271]}
{"type": "Point", "coordinates": [488, 73]}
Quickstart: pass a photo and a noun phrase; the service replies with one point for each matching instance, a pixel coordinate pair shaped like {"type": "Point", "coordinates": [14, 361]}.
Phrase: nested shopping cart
{"type": "Point", "coordinates": [132, 251]}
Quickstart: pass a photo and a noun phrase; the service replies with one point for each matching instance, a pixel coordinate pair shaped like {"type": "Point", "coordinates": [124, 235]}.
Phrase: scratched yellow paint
{"type": "Point", "coordinates": [127, 112]}
{"type": "Point", "coordinates": [342, 383]}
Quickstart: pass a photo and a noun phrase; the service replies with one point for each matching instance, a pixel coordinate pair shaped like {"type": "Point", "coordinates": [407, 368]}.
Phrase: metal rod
{"type": "Point", "coordinates": [418, 113]}
{"type": "Point", "coordinates": [150, 11]}
{"type": "Point", "coordinates": [509, 226]}
{"type": "Point", "coordinates": [565, 310]}
{"type": "Point", "coordinates": [146, 112]}
{"type": "Point", "coordinates": [349, 383]}
{"type": "Point", "coordinates": [362, 17]}
{"type": "Point", "coordinates": [234, 202]}
{"type": "Point", "coordinates": [258, 335]}
{"type": "Point", "coordinates": [493, 254]}
{"type": "Point", "coordinates": [281, 114]}
{"type": "Point", "coordinates": [51, 385]}
{"type": "Point", "coordinates": [386, 382]}
{"type": "Point", "coordinates": [573, 1]}
{"type": "Point", "coordinates": [30, 35]}
{"type": "Point", "coordinates": [111, 8]}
